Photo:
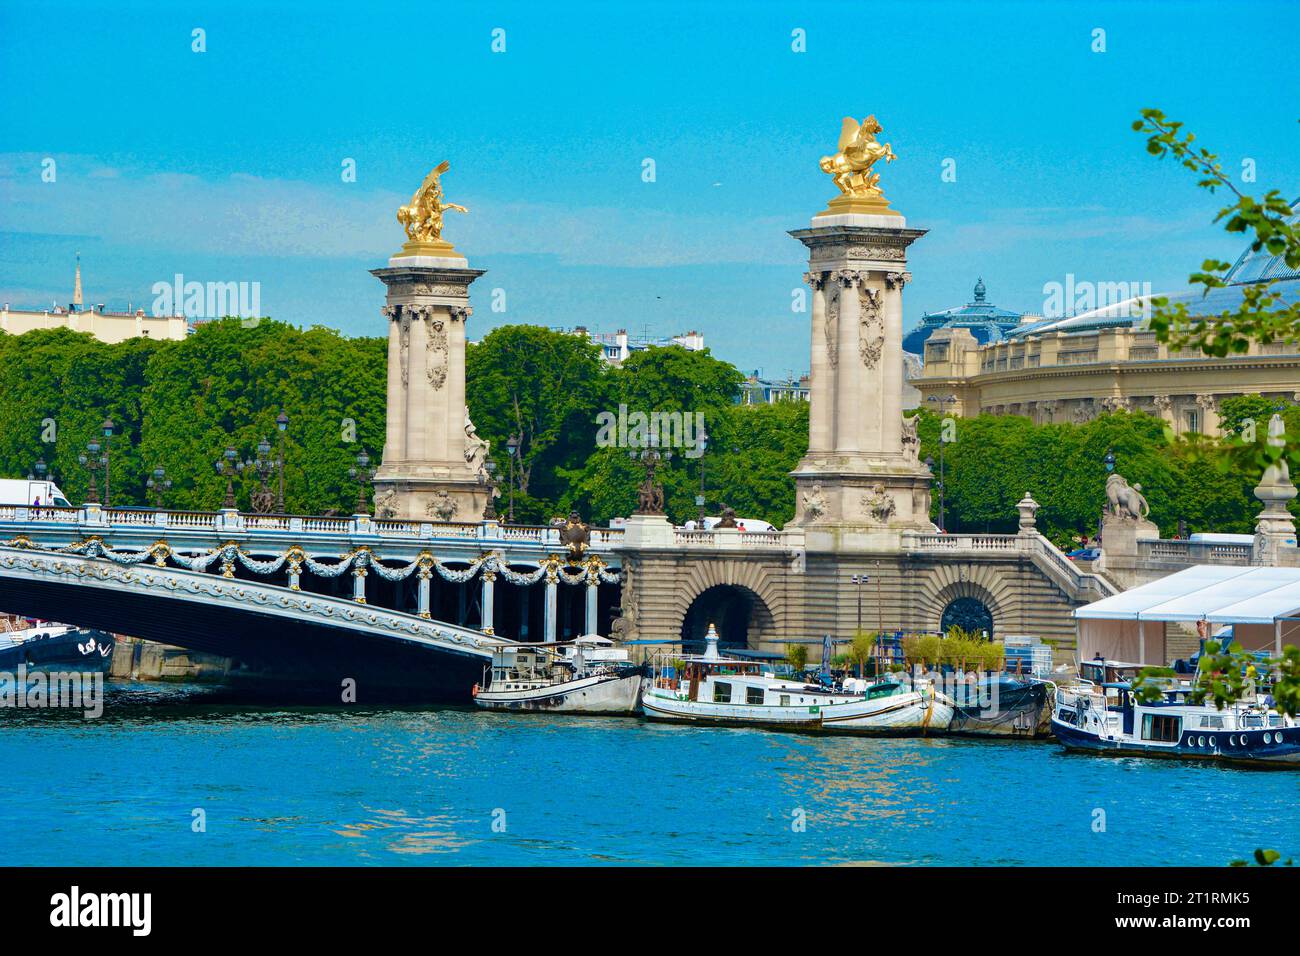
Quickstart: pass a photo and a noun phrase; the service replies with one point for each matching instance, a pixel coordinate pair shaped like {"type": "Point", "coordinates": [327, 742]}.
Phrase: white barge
{"type": "Point", "coordinates": [713, 689]}
{"type": "Point", "coordinates": [586, 676]}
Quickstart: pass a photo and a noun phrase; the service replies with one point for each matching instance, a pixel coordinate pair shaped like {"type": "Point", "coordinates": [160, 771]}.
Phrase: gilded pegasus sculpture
{"type": "Point", "coordinates": [423, 216]}
{"type": "Point", "coordinates": [857, 152]}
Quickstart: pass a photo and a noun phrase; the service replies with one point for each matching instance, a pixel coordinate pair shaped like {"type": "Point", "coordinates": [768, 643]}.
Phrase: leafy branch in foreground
{"type": "Point", "coordinates": [1263, 315]}
{"type": "Point", "coordinates": [1225, 674]}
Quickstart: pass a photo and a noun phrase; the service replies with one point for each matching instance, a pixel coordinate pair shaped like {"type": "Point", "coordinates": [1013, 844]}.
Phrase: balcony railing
{"type": "Point", "coordinates": [95, 519]}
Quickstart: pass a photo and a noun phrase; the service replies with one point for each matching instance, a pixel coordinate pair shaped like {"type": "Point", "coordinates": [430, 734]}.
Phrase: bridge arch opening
{"type": "Point", "coordinates": [969, 613]}
{"type": "Point", "coordinates": [740, 616]}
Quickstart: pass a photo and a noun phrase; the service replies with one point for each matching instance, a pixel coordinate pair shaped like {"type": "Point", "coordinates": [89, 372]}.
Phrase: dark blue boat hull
{"type": "Point", "coordinates": [1247, 747]}
{"type": "Point", "coordinates": [62, 653]}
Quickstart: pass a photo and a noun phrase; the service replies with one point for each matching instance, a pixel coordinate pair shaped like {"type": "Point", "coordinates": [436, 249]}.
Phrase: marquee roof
{"type": "Point", "coordinates": [1221, 594]}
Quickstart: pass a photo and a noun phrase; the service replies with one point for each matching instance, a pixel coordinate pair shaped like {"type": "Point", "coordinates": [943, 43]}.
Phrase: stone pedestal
{"type": "Point", "coordinates": [860, 474]}
{"type": "Point", "coordinates": [648, 531]}
{"type": "Point", "coordinates": [432, 460]}
{"type": "Point", "coordinates": [1275, 532]}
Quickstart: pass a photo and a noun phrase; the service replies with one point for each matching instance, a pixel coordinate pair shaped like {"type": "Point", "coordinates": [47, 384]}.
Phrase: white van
{"type": "Point", "coordinates": [1210, 537]}
{"type": "Point", "coordinates": [20, 491]}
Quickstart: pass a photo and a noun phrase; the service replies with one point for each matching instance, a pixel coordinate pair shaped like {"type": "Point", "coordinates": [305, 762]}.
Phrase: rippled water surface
{"type": "Point", "coordinates": [425, 787]}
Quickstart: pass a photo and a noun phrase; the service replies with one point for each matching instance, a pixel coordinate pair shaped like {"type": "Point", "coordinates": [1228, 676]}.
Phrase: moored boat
{"type": "Point", "coordinates": [45, 646]}
{"type": "Point", "coordinates": [714, 689]}
{"type": "Point", "coordinates": [1109, 719]}
{"type": "Point", "coordinates": [1003, 705]}
{"type": "Point", "coordinates": [586, 676]}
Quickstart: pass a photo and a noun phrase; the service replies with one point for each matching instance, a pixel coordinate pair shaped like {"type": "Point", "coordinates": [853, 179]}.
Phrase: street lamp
{"type": "Point", "coordinates": [282, 425]}
{"type": "Point", "coordinates": [159, 484]}
{"type": "Point", "coordinates": [859, 581]}
{"type": "Point", "coordinates": [703, 444]}
{"type": "Point", "coordinates": [362, 474]}
{"type": "Point", "coordinates": [1109, 461]}
{"type": "Point", "coordinates": [512, 446]}
{"type": "Point", "coordinates": [107, 426]}
{"type": "Point", "coordinates": [229, 465]}
{"type": "Point", "coordinates": [651, 494]}
{"type": "Point", "coordinates": [943, 402]}
{"type": "Point", "coordinates": [263, 499]}
{"type": "Point", "coordinates": [92, 461]}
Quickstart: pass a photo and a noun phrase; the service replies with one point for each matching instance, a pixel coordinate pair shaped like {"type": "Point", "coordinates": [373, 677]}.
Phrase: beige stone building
{"type": "Point", "coordinates": [1105, 360]}
{"type": "Point", "coordinates": [106, 326]}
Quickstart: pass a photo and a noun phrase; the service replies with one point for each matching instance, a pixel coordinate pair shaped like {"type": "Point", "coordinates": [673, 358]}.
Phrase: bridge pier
{"type": "Point", "coordinates": [552, 599]}
{"type": "Point", "coordinates": [489, 602]}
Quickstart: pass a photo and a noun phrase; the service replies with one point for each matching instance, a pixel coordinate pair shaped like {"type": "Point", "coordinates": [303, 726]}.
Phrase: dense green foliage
{"type": "Point", "coordinates": [179, 404]}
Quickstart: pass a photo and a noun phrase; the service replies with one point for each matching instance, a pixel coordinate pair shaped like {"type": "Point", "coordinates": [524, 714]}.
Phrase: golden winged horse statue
{"type": "Point", "coordinates": [857, 152]}
{"type": "Point", "coordinates": [423, 216]}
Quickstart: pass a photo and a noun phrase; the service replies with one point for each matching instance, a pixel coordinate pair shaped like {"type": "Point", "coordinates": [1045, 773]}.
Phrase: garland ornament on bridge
{"type": "Point", "coordinates": [592, 570]}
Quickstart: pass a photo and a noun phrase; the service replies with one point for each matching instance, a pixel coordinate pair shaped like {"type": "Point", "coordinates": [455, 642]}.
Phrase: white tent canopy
{"type": "Point", "coordinates": [1262, 604]}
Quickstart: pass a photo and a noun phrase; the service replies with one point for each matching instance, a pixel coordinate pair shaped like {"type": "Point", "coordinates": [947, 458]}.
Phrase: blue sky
{"type": "Point", "coordinates": [225, 165]}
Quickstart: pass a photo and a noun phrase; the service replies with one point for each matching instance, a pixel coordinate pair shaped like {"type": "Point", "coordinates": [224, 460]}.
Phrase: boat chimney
{"type": "Point", "coordinates": [711, 644]}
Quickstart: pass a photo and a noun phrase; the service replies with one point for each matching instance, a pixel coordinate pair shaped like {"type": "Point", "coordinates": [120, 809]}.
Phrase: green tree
{"type": "Point", "coordinates": [545, 387]}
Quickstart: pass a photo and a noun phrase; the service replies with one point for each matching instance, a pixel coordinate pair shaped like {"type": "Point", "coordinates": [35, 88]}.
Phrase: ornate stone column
{"type": "Point", "coordinates": [424, 573]}
{"type": "Point", "coordinates": [1209, 406]}
{"type": "Point", "coordinates": [821, 413]}
{"type": "Point", "coordinates": [489, 601]}
{"type": "Point", "coordinates": [849, 377]}
{"type": "Point", "coordinates": [868, 481]}
{"type": "Point", "coordinates": [428, 472]}
{"type": "Point", "coordinates": [593, 603]}
{"type": "Point", "coordinates": [552, 602]}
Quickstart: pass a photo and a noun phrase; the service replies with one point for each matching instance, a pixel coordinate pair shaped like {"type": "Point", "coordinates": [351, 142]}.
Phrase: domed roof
{"type": "Point", "coordinates": [985, 321]}
{"type": "Point", "coordinates": [1249, 268]}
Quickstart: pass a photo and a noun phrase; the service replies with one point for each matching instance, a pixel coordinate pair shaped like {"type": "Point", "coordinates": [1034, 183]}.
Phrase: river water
{"type": "Point", "coordinates": [180, 775]}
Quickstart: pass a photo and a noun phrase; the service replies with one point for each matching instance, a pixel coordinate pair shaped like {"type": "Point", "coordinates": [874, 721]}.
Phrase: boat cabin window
{"type": "Point", "coordinates": [1212, 722]}
{"type": "Point", "coordinates": [753, 695]}
{"type": "Point", "coordinates": [785, 700]}
{"type": "Point", "coordinates": [721, 693]}
{"type": "Point", "coordinates": [1162, 728]}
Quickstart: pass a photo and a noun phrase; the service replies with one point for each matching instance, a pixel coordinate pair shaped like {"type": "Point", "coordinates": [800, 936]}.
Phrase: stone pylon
{"type": "Point", "coordinates": [432, 467]}
{"type": "Point", "coordinates": [862, 471]}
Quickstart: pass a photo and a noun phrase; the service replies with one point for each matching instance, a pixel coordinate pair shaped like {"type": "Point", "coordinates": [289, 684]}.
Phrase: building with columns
{"type": "Point", "coordinates": [1106, 360]}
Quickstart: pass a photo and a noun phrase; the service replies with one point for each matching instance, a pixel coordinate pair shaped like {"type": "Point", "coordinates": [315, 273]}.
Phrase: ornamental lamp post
{"type": "Point", "coordinates": [107, 426]}
{"type": "Point", "coordinates": [159, 484]}
{"type": "Point", "coordinates": [362, 474]}
{"type": "Point", "coordinates": [1109, 462]}
{"type": "Point", "coordinates": [859, 581]}
{"type": "Point", "coordinates": [651, 493]}
{"type": "Point", "coordinates": [703, 444]}
{"type": "Point", "coordinates": [512, 445]}
{"type": "Point", "coordinates": [264, 501]}
{"type": "Point", "coordinates": [91, 460]}
{"type": "Point", "coordinates": [282, 425]}
{"type": "Point", "coordinates": [229, 466]}
{"type": "Point", "coordinates": [943, 402]}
